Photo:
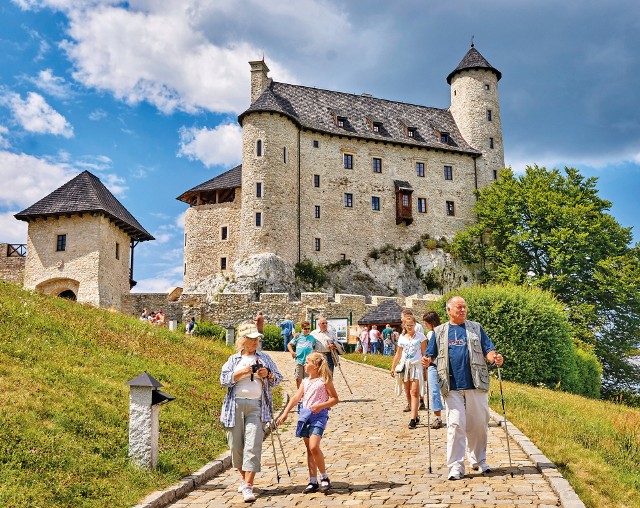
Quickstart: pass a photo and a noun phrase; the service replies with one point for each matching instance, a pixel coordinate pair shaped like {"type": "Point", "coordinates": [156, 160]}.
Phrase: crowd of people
{"type": "Point", "coordinates": [448, 366]}
{"type": "Point", "coordinates": [156, 318]}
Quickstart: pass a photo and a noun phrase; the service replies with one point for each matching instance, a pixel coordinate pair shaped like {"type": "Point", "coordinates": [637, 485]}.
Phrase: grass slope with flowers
{"type": "Point", "coordinates": [64, 405]}
{"type": "Point", "coordinates": [595, 444]}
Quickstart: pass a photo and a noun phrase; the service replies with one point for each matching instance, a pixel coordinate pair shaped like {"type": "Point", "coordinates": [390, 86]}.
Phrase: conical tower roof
{"type": "Point", "coordinates": [86, 194]}
{"type": "Point", "coordinates": [473, 60]}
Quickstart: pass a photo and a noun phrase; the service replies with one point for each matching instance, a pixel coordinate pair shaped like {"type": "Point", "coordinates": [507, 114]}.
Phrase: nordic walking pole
{"type": "Point", "coordinates": [284, 456]}
{"type": "Point", "coordinates": [429, 422]}
{"type": "Point", "coordinates": [504, 413]}
{"type": "Point", "coordinates": [275, 459]}
{"type": "Point", "coordinates": [336, 361]}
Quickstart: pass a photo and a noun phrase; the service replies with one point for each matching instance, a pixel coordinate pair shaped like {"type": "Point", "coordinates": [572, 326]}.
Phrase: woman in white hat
{"type": "Point", "coordinates": [248, 375]}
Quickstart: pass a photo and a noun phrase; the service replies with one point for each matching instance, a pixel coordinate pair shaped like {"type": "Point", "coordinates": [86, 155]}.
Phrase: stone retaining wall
{"type": "Point", "coordinates": [11, 268]}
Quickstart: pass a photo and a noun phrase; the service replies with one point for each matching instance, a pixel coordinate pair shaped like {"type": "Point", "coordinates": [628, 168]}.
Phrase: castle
{"type": "Point", "coordinates": [328, 176]}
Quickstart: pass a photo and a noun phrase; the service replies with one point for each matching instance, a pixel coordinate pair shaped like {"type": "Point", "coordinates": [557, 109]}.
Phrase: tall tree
{"type": "Point", "coordinates": [550, 229]}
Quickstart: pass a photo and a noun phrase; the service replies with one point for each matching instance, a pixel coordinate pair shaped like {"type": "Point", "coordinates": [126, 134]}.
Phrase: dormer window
{"type": "Point", "coordinates": [444, 137]}
{"type": "Point", "coordinates": [341, 121]}
{"type": "Point", "coordinates": [411, 132]}
{"type": "Point", "coordinates": [377, 126]}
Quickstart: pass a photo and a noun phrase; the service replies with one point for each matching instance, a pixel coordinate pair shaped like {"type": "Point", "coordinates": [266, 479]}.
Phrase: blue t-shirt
{"type": "Point", "coordinates": [304, 345]}
{"type": "Point", "coordinates": [459, 362]}
{"type": "Point", "coordinates": [287, 327]}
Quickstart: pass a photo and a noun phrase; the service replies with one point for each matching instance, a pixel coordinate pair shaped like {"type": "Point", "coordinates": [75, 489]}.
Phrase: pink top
{"type": "Point", "coordinates": [315, 392]}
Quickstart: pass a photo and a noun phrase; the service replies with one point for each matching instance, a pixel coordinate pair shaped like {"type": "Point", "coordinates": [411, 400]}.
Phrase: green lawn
{"type": "Point", "coordinates": [64, 405]}
{"type": "Point", "coordinates": [595, 444]}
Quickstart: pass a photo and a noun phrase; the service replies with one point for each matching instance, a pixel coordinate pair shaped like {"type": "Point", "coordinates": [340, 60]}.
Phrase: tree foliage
{"type": "Point", "coordinates": [550, 229]}
{"type": "Point", "coordinates": [530, 328]}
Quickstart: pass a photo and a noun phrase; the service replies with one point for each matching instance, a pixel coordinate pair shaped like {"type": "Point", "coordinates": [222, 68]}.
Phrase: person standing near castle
{"type": "Point", "coordinates": [461, 348]}
{"type": "Point", "coordinates": [286, 330]}
{"type": "Point", "coordinates": [259, 321]}
{"type": "Point", "coordinates": [326, 341]}
{"type": "Point", "coordinates": [374, 339]}
{"type": "Point", "coordinates": [304, 343]}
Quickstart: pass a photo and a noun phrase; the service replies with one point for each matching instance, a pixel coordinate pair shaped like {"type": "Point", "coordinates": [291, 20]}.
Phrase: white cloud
{"type": "Point", "coordinates": [97, 115]}
{"type": "Point", "coordinates": [157, 285]}
{"type": "Point", "coordinates": [213, 147]}
{"type": "Point", "coordinates": [52, 85]}
{"type": "Point", "coordinates": [4, 142]}
{"type": "Point", "coordinates": [12, 230]}
{"type": "Point", "coordinates": [27, 179]}
{"type": "Point", "coordinates": [35, 115]}
{"type": "Point", "coordinates": [180, 220]}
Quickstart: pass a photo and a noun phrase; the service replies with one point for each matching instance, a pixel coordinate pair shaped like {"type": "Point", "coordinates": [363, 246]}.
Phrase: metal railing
{"type": "Point", "coordinates": [16, 250]}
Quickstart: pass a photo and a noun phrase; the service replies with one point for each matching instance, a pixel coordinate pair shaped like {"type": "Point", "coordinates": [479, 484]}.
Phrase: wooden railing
{"type": "Point", "coordinates": [15, 250]}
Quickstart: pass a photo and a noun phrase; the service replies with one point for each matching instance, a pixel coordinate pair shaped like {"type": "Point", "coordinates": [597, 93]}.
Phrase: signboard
{"type": "Point", "coordinates": [339, 327]}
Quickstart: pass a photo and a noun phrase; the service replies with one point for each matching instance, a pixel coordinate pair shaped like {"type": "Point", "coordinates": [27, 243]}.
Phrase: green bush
{"type": "Point", "coordinates": [589, 372]}
{"type": "Point", "coordinates": [272, 340]}
{"type": "Point", "coordinates": [530, 328]}
{"type": "Point", "coordinates": [312, 276]}
{"type": "Point", "coordinates": [206, 329]}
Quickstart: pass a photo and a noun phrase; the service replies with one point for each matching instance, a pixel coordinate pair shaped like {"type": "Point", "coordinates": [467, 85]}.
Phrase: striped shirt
{"type": "Point", "coordinates": [228, 411]}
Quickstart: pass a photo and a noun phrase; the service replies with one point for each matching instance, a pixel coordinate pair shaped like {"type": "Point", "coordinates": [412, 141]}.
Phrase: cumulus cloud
{"type": "Point", "coordinates": [221, 146]}
{"type": "Point", "coordinates": [157, 284]}
{"type": "Point", "coordinates": [35, 115]}
{"type": "Point", "coordinates": [52, 85]}
{"type": "Point", "coordinates": [13, 230]}
{"type": "Point", "coordinates": [4, 142]}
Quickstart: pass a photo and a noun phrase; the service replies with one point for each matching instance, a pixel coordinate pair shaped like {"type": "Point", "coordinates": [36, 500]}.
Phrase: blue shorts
{"type": "Point", "coordinates": [307, 430]}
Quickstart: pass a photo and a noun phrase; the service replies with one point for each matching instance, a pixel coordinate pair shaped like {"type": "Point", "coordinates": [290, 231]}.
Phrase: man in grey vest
{"type": "Point", "coordinates": [461, 348]}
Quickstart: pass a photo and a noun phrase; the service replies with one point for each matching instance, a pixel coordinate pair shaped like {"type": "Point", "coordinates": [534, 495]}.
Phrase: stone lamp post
{"type": "Point", "coordinates": [145, 399]}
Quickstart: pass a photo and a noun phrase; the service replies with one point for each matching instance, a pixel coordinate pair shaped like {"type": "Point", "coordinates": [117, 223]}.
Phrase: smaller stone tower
{"type": "Point", "coordinates": [476, 110]}
{"type": "Point", "coordinates": [80, 243]}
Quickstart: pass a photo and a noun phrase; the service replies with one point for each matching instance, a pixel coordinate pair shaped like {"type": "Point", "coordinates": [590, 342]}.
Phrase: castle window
{"type": "Point", "coordinates": [224, 233]}
{"type": "Point", "coordinates": [316, 180]}
{"type": "Point", "coordinates": [259, 148]}
{"type": "Point", "coordinates": [422, 205]}
{"type": "Point", "coordinates": [375, 203]}
{"type": "Point", "coordinates": [223, 263]}
{"type": "Point", "coordinates": [316, 244]}
{"type": "Point", "coordinates": [185, 269]}
{"type": "Point", "coordinates": [377, 165]}
{"type": "Point", "coordinates": [343, 257]}
{"type": "Point", "coordinates": [411, 132]}
{"type": "Point", "coordinates": [341, 121]}
{"type": "Point", "coordinates": [316, 212]}
{"type": "Point", "coordinates": [444, 137]}
{"type": "Point", "coordinates": [487, 86]}
{"type": "Point", "coordinates": [451, 209]}
{"type": "Point", "coordinates": [258, 219]}
{"type": "Point", "coordinates": [489, 115]}
{"type": "Point", "coordinates": [258, 189]}
{"type": "Point", "coordinates": [405, 200]}
{"type": "Point", "coordinates": [377, 126]}
{"type": "Point", "coordinates": [420, 168]}
{"type": "Point", "coordinates": [490, 142]}
{"type": "Point", "coordinates": [348, 161]}
{"type": "Point", "coordinates": [448, 173]}
{"type": "Point", "coordinates": [348, 200]}
{"type": "Point", "coordinates": [117, 250]}
{"type": "Point", "coordinates": [61, 243]}
{"type": "Point", "coordinates": [284, 154]}
{"type": "Point", "coordinates": [495, 174]}
{"type": "Point", "coordinates": [185, 239]}
{"type": "Point", "coordinates": [316, 144]}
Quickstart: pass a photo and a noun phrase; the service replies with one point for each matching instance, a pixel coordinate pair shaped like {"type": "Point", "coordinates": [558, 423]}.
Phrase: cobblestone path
{"type": "Point", "coordinates": [374, 459]}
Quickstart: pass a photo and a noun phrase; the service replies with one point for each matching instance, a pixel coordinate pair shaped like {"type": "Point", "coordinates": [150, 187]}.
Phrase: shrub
{"type": "Point", "coordinates": [272, 340]}
{"type": "Point", "coordinates": [530, 328]}
{"type": "Point", "coordinates": [312, 276]}
{"type": "Point", "coordinates": [589, 372]}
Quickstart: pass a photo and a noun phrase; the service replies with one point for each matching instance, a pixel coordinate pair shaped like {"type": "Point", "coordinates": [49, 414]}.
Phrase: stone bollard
{"type": "Point", "coordinates": [173, 324]}
{"type": "Point", "coordinates": [144, 407]}
{"type": "Point", "coordinates": [231, 336]}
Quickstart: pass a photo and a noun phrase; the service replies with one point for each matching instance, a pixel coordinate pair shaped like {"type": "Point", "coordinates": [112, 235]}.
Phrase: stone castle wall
{"type": "Point", "coordinates": [134, 303]}
{"type": "Point", "coordinates": [203, 244]}
{"type": "Point", "coordinates": [11, 268]}
{"type": "Point", "coordinates": [100, 281]}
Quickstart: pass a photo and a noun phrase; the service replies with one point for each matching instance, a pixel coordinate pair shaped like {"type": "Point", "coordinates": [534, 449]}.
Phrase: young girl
{"type": "Point", "coordinates": [411, 347]}
{"type": "Point", "coordinates": [318, 395]}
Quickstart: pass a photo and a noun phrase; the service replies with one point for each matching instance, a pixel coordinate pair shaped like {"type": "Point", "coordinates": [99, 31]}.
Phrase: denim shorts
{"type": "Point", "coordinates": [307, 430]}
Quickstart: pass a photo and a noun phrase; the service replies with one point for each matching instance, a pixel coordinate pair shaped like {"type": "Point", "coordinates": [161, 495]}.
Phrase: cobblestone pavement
{"type": "Point", "coordinates": [374, 459]}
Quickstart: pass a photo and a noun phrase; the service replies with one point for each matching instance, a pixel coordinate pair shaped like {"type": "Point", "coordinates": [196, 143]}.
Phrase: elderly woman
{"type": "Point", "coordinates": [248, 375]}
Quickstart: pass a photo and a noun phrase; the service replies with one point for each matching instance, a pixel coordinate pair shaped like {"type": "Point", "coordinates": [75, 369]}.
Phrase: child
{"type": "Point", "coordinates": [304, 344]}
{"type": "Point", "coordinates": [431, 320]}
{"type": "Point", "coordinates": [318, 395]}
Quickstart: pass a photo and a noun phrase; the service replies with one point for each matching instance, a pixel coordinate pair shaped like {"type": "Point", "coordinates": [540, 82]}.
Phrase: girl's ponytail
{"type": "Point", "coordinates": [320, 361]}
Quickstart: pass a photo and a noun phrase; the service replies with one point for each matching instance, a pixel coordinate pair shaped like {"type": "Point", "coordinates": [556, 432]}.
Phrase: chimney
{"type": "Point", "coordinates": [259, 79]}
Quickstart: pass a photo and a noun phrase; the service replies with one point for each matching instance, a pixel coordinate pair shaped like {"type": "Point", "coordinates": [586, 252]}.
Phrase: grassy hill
{"type": "Point", "coordinates": [594, 444]}
{"type": "Point", "coordinates": [64, 403]}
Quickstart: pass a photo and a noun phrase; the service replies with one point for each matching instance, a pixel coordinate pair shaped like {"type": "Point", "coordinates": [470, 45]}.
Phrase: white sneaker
{"type": "Point", "coordinates": [455, 475]}
{"type": "Point", "coordinates": [483, 467]}
{"type": "Point", "coordinates": [241, 486]}
{"type": "Point", "coordinates": [247, 494]}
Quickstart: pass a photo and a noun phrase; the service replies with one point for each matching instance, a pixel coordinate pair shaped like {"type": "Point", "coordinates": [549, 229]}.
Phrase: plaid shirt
{"type": "Point", "coordinates": [228, 412]}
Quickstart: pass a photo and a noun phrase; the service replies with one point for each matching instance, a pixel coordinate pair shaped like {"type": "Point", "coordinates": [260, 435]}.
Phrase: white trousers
{"type": "Point", "coordinates": [467, 422]}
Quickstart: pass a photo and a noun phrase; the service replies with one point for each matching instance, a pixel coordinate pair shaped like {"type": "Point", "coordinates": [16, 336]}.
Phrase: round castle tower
{"type": "Point", "coordinates": [476, 110]}
{"type": "Point", "coordinates": [270, 176]}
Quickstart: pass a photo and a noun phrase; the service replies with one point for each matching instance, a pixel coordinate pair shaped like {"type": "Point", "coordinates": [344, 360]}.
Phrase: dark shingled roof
{"type": "Point", "coordinates": [315, 109]}
{"type": "Point", "coordinates": [85, 194]}
{"type": "Point", "coordinates": [473, 60]}
{"type": "Point", "coordinates": [231, 179]}
{"type": "Point", "coordinates": [387, 312]}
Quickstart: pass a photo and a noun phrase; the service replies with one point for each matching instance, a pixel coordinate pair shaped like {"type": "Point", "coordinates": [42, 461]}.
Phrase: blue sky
{"type": "Point", "coordinates": [145, 94]}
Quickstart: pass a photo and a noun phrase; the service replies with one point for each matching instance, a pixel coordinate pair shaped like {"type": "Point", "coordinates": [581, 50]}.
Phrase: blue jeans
{"type": "Point", "coordinates": [286, 339]}
{"type": "Point", "coordinates": [329, 357]}
{"type": "Point", "coordinates": [434, 389]}
{"type": "Point", "coordinates": [374, 348]}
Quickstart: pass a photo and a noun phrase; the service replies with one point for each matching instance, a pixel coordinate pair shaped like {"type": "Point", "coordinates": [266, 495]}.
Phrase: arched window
{"type": "Point", "coordinates": [68, 294]}
{"type": "Point", "coordinates": [259, 148]}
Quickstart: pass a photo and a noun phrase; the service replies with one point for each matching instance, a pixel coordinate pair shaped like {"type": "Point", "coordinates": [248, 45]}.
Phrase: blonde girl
{"type": "Point", "coordinates": [317, 394]}
{"type": "Point", "coordinates": [411, 348]}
